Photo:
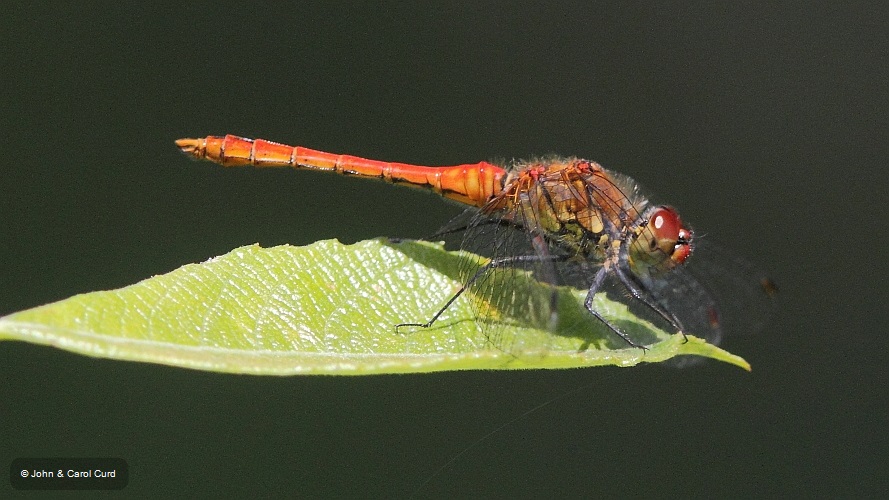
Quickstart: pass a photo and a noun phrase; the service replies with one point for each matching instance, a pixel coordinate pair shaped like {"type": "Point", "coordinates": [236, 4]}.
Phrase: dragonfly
{"type": "Point", "coordinates": [564, 220]}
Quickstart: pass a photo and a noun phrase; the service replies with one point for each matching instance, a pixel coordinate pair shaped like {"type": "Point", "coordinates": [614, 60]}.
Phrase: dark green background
{"type": "Point", "coordinates": [766, 126]}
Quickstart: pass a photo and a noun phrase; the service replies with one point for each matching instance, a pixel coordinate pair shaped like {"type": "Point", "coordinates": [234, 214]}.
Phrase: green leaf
{"type": "Point", "coordinates": [329, 308]}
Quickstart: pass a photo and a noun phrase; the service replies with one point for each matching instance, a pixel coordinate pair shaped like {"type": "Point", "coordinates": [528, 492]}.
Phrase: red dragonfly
{"type": "Point", "coordinates": [565, 220]}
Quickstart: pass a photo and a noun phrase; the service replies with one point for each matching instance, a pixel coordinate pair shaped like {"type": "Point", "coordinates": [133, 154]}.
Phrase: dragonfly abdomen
{"type": "Point", "coordinates": [472, 184]}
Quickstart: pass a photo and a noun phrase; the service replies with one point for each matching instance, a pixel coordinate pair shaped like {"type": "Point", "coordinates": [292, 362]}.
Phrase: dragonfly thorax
{"type": "Point", "coordinates": [574, 203]}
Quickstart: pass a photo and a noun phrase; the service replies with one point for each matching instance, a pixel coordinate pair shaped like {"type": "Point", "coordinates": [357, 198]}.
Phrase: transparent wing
{"type": "Point", "coordinates": [516, 288]}
{"type": "Point", "coordinates": [716, 293]}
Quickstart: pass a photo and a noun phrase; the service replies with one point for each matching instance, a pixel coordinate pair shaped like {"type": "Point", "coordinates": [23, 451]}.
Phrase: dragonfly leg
{"type": "Point", "coordinates": [493, 264]}
{"type": "Point", "coordinates": [588, 304]}
{"type": "Point", "coordinates": [637, 289]}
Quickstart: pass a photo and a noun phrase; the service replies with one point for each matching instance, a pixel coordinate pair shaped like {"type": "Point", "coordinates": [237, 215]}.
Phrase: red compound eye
{"type": "Point", "coordinates": [671, 235]}
{"type": "Point", "coordinates": [665, 224]}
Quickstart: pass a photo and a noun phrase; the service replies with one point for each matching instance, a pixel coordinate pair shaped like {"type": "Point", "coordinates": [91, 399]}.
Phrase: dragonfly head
{"type": "Point", "coordinates": [661, 243]}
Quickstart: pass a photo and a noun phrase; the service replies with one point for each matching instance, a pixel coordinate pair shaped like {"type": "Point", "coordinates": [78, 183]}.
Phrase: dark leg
{"type": "Point", "coordinates": [494, 264]}
{"type": "Point", "coordinates": [588, 303]}
{"type": "Point", "coordinates": [637, 288]}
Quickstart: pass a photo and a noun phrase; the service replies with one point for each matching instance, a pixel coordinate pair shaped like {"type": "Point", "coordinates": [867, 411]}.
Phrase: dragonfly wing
{"type": "Point", "coordinates": [715, 293]}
